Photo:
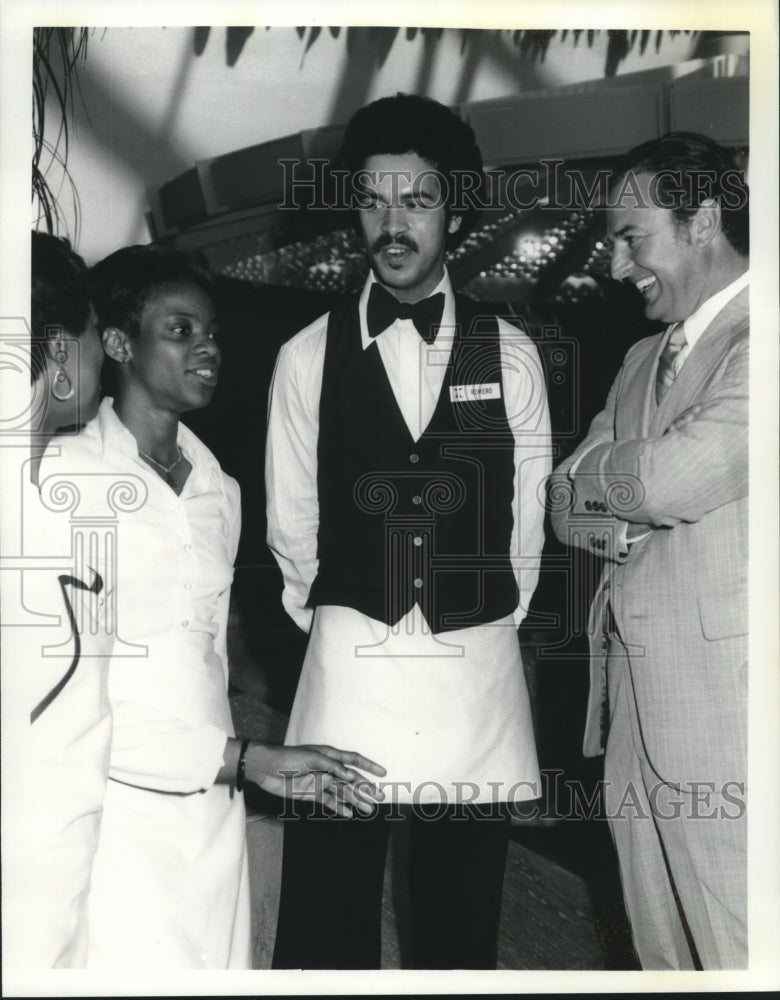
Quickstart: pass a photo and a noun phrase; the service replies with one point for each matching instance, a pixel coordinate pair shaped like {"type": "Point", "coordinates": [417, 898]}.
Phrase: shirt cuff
{"type": "Point", "coordinates": [571, 471]}
{"type": "Point", "coordinates": [165, 755]}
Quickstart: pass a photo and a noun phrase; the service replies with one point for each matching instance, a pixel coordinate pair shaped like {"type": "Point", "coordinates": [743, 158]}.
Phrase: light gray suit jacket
{"type": "Point", "coordinates": [679, 595]}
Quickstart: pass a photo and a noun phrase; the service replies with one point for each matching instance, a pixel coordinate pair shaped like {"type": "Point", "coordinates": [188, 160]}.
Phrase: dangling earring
{"type": "Point", "coordinates": [61, 381]}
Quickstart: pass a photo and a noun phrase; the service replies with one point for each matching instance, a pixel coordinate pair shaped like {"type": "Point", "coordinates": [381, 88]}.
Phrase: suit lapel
{"type": "Point", "coordinates": [637, 405]}
{"type": "Point", "coordinates": [649, 373]}
{"type": "Point", "coordinates": [705, 355]}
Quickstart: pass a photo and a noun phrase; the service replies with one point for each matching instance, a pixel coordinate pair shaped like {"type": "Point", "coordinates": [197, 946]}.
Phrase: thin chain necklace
{"type": "Point", "coordinates": [165, 471]}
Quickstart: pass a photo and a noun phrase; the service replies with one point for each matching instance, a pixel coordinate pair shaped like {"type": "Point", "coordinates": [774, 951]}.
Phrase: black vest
{"type": "Point", "coordinates": [403, 521]}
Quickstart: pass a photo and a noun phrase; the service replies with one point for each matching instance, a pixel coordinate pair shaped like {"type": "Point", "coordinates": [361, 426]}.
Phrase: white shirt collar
{"type": "Point", "coordinates": [447, 316]}
{"type": "Point", "coordinates": [699, 320]}
{"type": "Point", "coordinates": [114, 435]}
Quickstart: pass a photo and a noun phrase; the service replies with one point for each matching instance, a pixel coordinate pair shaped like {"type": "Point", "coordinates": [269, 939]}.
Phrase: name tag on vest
{"type": "Point", "coordinates": [468, 393]}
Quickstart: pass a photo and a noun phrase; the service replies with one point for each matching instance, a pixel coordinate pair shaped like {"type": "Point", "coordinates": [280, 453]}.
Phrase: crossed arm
{"type": "Point", "coordinates": [636, 485]}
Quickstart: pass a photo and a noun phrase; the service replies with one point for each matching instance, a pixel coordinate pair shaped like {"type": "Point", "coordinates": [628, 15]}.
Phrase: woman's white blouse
{"type": "Point", "coordinates": [168, 569]}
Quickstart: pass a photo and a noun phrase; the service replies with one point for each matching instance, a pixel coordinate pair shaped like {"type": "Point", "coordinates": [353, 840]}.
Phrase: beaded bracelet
{"type": "Point", "coordinates": [241, 768]}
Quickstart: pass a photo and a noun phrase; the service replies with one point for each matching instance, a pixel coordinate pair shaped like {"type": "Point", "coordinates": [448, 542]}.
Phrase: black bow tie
{"type": "Point", "coordinates": [384, 308]}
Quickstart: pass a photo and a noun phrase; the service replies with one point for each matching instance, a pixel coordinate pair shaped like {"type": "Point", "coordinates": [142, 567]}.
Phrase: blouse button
{"type": "Point", "coordinates": [187, 547]}
{"type": "Point", "coordinates": [188, 586]}
{"type": "Point", "coordinates": [185, 624]}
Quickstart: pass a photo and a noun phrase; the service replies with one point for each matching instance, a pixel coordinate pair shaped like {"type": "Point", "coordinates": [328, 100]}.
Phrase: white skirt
{"type": "Point", "coordinates": [170, 886]}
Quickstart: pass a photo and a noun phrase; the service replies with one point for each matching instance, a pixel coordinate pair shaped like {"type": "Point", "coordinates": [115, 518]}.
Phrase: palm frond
{"type": "Point", "coordinates": [51, 193]}
{"type": "Point", "coordinates": [58, 54]}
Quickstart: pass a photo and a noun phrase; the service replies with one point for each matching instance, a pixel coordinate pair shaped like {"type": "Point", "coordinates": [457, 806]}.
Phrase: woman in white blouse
{"type": "Point", "coordinates": [56, 721]}
{"type": "Point", "coordinates": [169, 885]}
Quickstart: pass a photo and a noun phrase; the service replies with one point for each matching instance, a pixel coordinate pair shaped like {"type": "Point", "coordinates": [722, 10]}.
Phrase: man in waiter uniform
{"type": "Point", "coordinates": [407, 453]}
{"type": "Point", "coordinates": [660, 487]}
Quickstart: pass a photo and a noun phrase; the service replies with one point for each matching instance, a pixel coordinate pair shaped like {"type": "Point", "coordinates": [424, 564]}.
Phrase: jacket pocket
{"type": "Point", "coordinates": [723, 616]}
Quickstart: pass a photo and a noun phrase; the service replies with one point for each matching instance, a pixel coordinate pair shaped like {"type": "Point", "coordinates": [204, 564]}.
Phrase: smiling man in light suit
{"type": "Point", "coordinates": [659, 487]}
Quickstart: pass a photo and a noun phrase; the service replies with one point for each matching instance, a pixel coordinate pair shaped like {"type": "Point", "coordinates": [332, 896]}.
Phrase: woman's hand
{"type": "Point", "coordinates": [320, 773]}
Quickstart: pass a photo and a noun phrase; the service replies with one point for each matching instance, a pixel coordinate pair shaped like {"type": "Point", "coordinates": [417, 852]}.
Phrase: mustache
{"type": "Point", "coordinates": [386, 240]}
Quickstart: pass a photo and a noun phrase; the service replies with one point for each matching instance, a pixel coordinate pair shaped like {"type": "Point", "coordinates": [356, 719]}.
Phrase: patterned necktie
{"type": "Point", "coordinates": [384, 308]}
{"type": "Point", "coordinates": [670, 362]}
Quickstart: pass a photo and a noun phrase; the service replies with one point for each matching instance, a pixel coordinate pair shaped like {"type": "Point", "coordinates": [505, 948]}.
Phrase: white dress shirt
{"type": "Point", "coordinates": [698, 321]}
{"type": "Point", "coordinates": [169, 885]}
{"type": "Point", "coordinates": [440, 712]}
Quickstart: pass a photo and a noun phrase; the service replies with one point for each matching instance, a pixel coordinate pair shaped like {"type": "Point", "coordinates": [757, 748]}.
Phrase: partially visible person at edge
{"type": "Point", "coordinates": [55, 701]}
{"type": "Point", "coordinates": [169, 885]}
{"type": "Point", "coordinates": [408, 448]}
{"type": "Point", "coordinates": [659, 487]}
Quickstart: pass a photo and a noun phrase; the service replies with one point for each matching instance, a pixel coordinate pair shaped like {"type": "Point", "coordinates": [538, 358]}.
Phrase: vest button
{"type": "Point", "coordinates": [417, 500]}
{"type": "Point", "coordinates": [418, 583]}
{"type": "Point", "coordinates": [414, 459]}
{"type": "Point", "coordinates": [417, 540]}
